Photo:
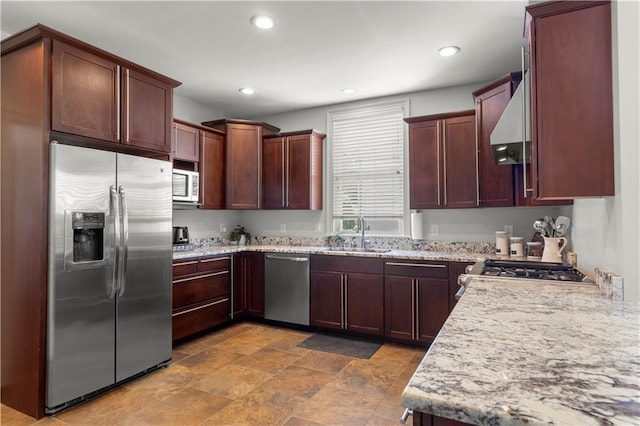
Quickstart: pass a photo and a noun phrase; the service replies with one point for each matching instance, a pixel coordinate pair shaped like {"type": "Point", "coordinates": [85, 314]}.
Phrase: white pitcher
{"type": "Point", "coordinates": [553, 247]}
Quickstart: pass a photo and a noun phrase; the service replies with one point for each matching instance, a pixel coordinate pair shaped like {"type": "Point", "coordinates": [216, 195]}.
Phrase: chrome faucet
{"type": "Point", "coordinates": [361, 227]}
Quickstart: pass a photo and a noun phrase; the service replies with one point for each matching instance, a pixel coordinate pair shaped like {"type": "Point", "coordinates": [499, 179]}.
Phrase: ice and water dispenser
{"type": "Point", "coordinates": [88, 236]}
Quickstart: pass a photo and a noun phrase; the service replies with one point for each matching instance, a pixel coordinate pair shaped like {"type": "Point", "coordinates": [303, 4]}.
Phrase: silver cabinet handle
{"type": "Point", "coordinates": [417, 310]}
{"type": "Point", "coordinates": [217, 302]}
{"type": "Point", "coordinates": [217, 259]}
{"type": "Point", "coordinates": [193, 262]}
{"type": "Point", "coordinates": [116, 225]}
{"type": "Point", "coordinates": [413, 309]}
{"type": "Point", "coordinates": [407, 412]}
{"type": "Point", "coordinates": [460, 292]}
{"type": "Point", "coordinates": [444, 161]}
{"type": "Point", "coordinates": [292, 259]}
{"type": "Point", "coordinates": [417, 265]}
{"type": "Point", "coordinates": [126, 71]}
{"type": "Point", "coordinates": [200, 276]}
{"type": "Point", "coordinates": [118, 88]}
{"type": "Point", "coordinates": [346, 301]}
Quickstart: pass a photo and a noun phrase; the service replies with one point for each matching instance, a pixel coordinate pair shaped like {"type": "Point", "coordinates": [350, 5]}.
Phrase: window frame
{"type": "Point", "coordinates": [404, 103]}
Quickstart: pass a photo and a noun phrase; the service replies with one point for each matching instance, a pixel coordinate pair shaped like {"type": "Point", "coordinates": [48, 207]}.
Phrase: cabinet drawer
{"type": "Point", "coordinates": [214, 263]}
{"type": "Point", "coordinates": [191, 290]}
{"type": "Point", "coordinates": [417, 268]}
{"type": "Point", "coordinates": [345, 264]}
{"type": "Point", "coordinates": [199, 318]}
{"type": "Point", "coordinates": [185, 266]}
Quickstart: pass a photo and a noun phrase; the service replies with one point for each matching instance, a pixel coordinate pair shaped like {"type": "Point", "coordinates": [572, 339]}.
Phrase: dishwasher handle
{"type": "Point", "coordinates": [291, 259]}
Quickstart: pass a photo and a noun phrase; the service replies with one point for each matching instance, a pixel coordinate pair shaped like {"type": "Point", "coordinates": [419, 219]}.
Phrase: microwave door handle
{"type": "Point", "coordinates": [124, 239]}
{"type": "Point", "coordinates": [115, 214]}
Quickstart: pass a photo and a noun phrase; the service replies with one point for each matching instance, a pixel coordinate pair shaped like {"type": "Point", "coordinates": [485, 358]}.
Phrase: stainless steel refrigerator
{"type": "Point", "coordinates": [109, 300]}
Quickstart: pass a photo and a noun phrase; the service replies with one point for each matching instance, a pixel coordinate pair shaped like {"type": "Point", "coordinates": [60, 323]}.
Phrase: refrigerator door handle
{"type": "Point", "coordinates": [124, 240]}
{"type": "Point", "coordinates": [115, 214]}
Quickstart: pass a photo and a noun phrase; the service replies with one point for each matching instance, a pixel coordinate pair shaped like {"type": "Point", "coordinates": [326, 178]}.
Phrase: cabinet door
{"type": "Point", "coordinates": [460, 182]}
{"type": "Point", "coordinates": [424, 165]}
{"type": "Point", "coordinates": [399, 307]}
{"type": "Point", "coordinates": [147, 112]}
{"type": "Point", "coordinates": [273, 173]}
{"type": "Point", "coordinates": [529, 201]}
{"type": "Point", "coordinates": [298, 173]}
{"type": "Point", "coordinates": [365, 303]}
{"type": "Point", "coordinates": [85, 94]}
{"type": "Point", "coordinates": [244, 165]}
{"type": "Point", "coordinates": [239, 289]}
{"type": "Point", "coordinates": [326, 299]}
{"type": "Point", "coordinates": [571, 100]}
{"type": "Point", "coordinates": [255, 284]}
{"type": "Point", "coordinates": [186, 143]}
{"type": "Point", "coordinates": [211, 170]}
{"type": "Point", "coordinates": [432, 297]}
{"type": "Point", "coordinates": [495, 181]}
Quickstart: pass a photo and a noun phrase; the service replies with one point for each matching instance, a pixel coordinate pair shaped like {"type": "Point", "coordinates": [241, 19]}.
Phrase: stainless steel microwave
{"type": "Point", "coordinates": [186, 186]}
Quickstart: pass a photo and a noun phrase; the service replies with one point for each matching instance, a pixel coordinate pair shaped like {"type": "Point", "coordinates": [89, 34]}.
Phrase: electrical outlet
{"type": "Point", "coordinates": [223, 227]}
{"type": "Point", "coordinates": [283, 227]}
{"type": "Point", "coordinates": [434, 230]}
{"type": "Point", "coordinates": [509, 230]}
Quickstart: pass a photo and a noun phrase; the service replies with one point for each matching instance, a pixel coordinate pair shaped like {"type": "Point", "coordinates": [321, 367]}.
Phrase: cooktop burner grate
{"type": "Point", "coordinates": [531, 270]}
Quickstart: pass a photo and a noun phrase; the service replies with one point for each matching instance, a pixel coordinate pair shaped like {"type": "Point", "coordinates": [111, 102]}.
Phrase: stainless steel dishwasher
{"type": "Point", "coordinates": [286, 288]}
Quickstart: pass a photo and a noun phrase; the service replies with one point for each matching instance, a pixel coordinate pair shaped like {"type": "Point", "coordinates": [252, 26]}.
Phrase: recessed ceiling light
{"type": "Point", "coordinates": [348, 91]}
{"type": "Point", "coordinates": [246, 91]}
{"type": "Point", "coordinates": [263, 22]}
{"type": "Point", "coordinates": [448, 50]}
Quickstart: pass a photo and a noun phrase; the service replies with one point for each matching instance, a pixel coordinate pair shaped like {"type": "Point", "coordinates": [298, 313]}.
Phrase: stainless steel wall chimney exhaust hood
{"type": "Point", "coordinates": [511, 138]}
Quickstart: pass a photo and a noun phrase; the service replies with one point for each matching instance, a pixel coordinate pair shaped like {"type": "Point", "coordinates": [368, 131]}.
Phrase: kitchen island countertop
{"type": "Point", "coordinates": [395, 254]}
{"type": "Point", "coordinates": [515, 352]}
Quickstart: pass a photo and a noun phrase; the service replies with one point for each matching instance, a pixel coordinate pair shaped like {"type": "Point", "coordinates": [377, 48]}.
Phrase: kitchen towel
{"type": "Point", "coordinates": [416, 225]}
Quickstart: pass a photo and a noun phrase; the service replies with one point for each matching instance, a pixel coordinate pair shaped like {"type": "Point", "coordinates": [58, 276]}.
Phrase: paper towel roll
{"type": "Point", "coordinates": [416, 225]}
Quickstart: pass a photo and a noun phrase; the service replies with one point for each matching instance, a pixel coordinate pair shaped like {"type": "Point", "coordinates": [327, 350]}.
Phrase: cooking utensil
{"type": "Point", "coordinates": [550, 226]}
{"type": "Point", "coordinates": [562, 225]}
{"type": "Point", "coordinates": [540, 226]}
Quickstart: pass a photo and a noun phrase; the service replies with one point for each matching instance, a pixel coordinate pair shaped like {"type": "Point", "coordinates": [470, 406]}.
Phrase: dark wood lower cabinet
{"type": "Point", "coordinates": [423, 419]}
{"type": "Point", "coordinates": [201, 294]}
{"type": "Point", "coordinates": [248, 285]}
{"type": "Point", "coordinates": [416, 299]}
{"type": "Point", "coordinates": [347, 293]}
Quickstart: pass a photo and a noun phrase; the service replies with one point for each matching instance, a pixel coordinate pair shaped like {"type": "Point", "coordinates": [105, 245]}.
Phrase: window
{"type": "Point", "coordinates": [367, 146]}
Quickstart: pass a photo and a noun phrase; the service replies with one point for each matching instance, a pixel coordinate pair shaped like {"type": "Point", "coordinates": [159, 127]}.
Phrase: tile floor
{"type": "Point", "coordinates": [252, 374]}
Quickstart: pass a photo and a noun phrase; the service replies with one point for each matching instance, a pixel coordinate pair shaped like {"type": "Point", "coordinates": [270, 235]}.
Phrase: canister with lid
{"type": "Point", "coordinates": [502, 243]}
{"type": "Point", "coordinates": [517, 246]}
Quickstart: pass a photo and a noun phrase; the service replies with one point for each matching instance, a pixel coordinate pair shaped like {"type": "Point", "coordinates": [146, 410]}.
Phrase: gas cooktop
{"type": "Point", "coordinates": [532, 270]}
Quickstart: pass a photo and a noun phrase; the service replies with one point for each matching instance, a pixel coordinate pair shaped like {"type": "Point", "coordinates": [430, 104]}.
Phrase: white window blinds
{"type": "Point", "coordinates": [367, 154]}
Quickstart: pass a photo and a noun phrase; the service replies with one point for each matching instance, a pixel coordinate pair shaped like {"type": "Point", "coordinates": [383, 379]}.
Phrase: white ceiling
{"type": "Point", "coordinates": [315, 49]}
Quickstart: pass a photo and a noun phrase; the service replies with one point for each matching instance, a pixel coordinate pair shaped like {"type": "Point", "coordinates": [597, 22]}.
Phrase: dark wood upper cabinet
{"type": "Point", "coordinates": [186, 142]}
{"type": "Point", "coordinates": [147, 110]}
{"type": "Point", "coordinates": [495, 181]}
{"type": "Point", "coordinates": [96, 97]}
{"type": "Point", "coordinates": [212, 168]}
{"type": "Point", "coordinates": [292, 171]}
{"type": "Point", "coordinates": [571, 99]}
{"type": "Point", "coordinates": [442, 161]}
{"type": "Point", "coordinates": [243, 175]}
{"type": "Point", "coordinates": [85, 93]}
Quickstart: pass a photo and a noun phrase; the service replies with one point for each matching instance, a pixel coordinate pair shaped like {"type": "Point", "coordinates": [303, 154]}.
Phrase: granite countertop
{"type": "Point", "coordinates": [396, 254]}
{"type": "Point", "coordinates": [515, 352]}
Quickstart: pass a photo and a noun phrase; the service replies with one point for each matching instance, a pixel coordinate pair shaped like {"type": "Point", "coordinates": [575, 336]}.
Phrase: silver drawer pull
{"type": "Point", "coordinates": [460, 292]}
{"type": "Point", "coordinates": [195, 262]}
{"type": "Point", "coordinates": [197, 277]}
{"type": "Point", "coordinates": [217, 259]}
{"type": "Point", "coordinates": [200, 307]}
{"type": "Point", "coordinates": [418, 265]}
